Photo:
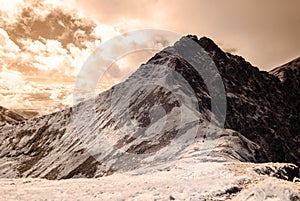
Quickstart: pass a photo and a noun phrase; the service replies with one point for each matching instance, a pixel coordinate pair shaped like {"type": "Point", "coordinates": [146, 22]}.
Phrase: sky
{"type": "Point", "coordinates": [45, 43]}
{"type": "Point", "coordinates": [267, 33]}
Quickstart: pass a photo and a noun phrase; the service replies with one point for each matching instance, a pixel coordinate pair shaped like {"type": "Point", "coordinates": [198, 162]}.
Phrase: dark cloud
{"type": "Point", "coordinates": [56, 24]}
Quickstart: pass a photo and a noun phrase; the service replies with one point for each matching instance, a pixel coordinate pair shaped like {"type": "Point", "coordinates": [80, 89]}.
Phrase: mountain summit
{"type": "Point", "coordinates": [164, 111]}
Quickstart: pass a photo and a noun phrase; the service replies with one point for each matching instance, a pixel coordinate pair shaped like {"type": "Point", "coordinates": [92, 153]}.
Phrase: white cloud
{"type": "Point", "coordinates": [33, 46]}
{"type": "Point", "coordinates": [8, 48]}
{"type": "Point", "coordinates": [11, 8]}
{"type": "Point", "coordinates": [106, 31]}
{"type": "Point", "coordinates": [9, 76]}
{"type": "Point", "coordinates": [3, 37]}
{"type": "Point", "coordinates": [30, 95]}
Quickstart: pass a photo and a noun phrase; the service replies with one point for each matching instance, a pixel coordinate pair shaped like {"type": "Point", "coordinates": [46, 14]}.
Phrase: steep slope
{"type": "Point", "coordinates": [168, 114]}
{"type": "Point", "coordinates": [9, 117]}
{"type": "Point", "coordinates": [257, 105]}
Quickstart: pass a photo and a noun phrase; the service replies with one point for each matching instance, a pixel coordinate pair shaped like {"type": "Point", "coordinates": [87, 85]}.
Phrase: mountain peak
{"type": "Point", "coordinates": [210, 47]}
{"type": "Point", "coordinates": [193, 37]}
{"type": "Point", "coordinates": [208, 44]}
{"type": "Point", "coordinates": [205, 42]}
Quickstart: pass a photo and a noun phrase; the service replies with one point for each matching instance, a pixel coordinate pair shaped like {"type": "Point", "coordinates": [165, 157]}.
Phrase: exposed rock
{"type": "Point", "coordinates": [282, 171]}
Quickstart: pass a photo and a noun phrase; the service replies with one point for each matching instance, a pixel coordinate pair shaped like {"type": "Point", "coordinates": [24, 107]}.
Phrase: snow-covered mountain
{"type": "Point", "coordinates": [162, 113]}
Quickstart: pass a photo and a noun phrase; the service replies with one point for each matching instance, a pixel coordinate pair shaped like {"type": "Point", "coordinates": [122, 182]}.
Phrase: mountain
{"type": "Point", "coordinates": [27, 114]}
{"type": "Point", "coordinates": [164, 112]}
{"type": "Point", "coordinates": [289, 70]}
{"type": "Point", "coordinates": [9, 117]}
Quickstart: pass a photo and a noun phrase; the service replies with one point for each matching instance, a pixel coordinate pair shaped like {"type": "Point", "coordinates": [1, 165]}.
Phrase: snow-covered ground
{"type": "Point", "coordinates": [185, 179]}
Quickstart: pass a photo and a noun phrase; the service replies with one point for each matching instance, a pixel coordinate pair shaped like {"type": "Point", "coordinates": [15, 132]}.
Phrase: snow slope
{"type": "Point", "coordinates": [187, 179]}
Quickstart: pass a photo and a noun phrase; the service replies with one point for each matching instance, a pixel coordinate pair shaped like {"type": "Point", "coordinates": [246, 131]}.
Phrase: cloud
{"type": "Point", "coordinates": [9, 76]}
{"type": "Point", "coordinates": [39, 21]}
{"type": "Point", "coordinates": [8, 48]}
{"type": "Point", "coordinates": [50, 38]}
{"type": "Point", "coordinates": [58, 40]}
{"type": "Point", "coordinates": [23, 94]}
{"type": "Point", "coordinates": [10, 10]}
{"type": "Point", "coordinates": [43, 47]}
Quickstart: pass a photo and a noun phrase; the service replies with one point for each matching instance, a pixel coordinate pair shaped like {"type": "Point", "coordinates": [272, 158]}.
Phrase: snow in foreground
{"type": "Point", "coordinates": [186, 180]}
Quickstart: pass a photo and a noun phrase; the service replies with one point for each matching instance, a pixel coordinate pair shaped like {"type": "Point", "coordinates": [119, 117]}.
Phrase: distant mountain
{"type": "Point", "coordinates": [28, 114]}
{"type": "Point", "coordinates": [8, 117]}
{"type": "Point", "coordinates": [160, 113]}
{"type": "Point", "coordinates": [289, 70]}
{"type": "Point", "coordinates": [289, 74]}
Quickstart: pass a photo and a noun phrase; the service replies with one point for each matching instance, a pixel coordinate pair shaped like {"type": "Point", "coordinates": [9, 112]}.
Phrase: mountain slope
{"type": "Point", "coordinates": [167, 115]}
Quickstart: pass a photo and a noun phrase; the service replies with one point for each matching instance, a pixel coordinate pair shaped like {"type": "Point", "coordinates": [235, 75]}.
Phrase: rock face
{"type": "Point", "coordinates": [163, 111]}
{"type": "Point", "coordinates": [9, 117]}
{"type": "Point", "coordinates": [260, 107]}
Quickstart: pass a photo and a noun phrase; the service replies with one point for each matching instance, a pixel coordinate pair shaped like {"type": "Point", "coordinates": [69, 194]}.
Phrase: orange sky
{"type": "Point", "coordinates": [45, 43]}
